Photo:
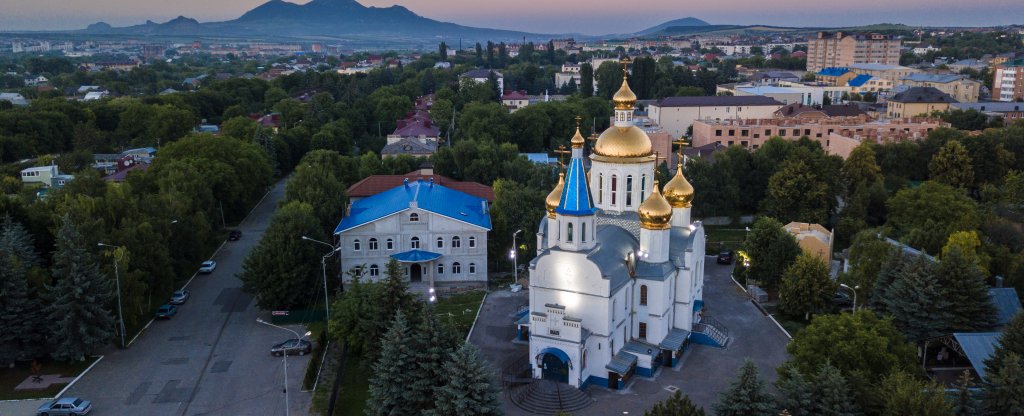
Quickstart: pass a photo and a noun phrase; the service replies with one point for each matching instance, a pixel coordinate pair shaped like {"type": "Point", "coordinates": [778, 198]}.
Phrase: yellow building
{"type": "Point", "coordinates": [834, 77]}
{"type": "Point", "coordinates": [917, 101]}
{"type": "Point", "coordinates": [813, 239]}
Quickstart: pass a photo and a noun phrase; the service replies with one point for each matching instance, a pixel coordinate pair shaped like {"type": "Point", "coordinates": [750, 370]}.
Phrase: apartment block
{"type": "Point", "coordinates": [1008, 82]}
{"type": "Point", "coordinates": [839, 49]}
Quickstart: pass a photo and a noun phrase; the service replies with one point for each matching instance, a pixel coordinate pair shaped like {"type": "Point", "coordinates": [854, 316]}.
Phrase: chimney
{"type": "Point", "coordinates": [999, 281]}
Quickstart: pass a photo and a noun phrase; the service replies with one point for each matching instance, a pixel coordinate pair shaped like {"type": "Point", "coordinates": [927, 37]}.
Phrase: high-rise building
{"type": "Point", "coordinates": [839, 49]}
{"type": "Point", "coordinates": [1008, 82]}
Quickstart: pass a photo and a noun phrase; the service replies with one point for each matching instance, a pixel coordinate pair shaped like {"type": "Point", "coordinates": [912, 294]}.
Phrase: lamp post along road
{"type": "Point", "coordinates": [284, 357]}
{"type": "Point", "coordinates": [117, 282]}
{"type": "Point", "coordinates": [515, 260]}
{"type": "Point", "coordinates": [323, 267]}
{"type": "Point", "coordinates": [854, 290]}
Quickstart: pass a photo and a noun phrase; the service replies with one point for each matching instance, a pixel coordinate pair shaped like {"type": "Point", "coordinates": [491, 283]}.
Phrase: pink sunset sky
{"type": "Point", "coordinates": [566, 16]}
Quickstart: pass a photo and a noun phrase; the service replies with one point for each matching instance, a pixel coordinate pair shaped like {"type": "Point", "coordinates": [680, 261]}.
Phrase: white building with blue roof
{"type": "Point", "coordinates": [616, 289]}
{"type": "Point", "coordinates": [439, 235]}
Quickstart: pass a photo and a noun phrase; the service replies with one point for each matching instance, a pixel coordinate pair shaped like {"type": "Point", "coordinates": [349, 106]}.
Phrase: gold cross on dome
{"type": "Point", "coordinates": [578, 119]}
{"type": "Point", "coordinates": [682, 143]}
{"type": "Point", "coordinates": [561, 152]}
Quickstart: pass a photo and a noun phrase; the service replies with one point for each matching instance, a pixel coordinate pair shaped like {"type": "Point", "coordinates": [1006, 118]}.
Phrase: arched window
{"type": "Point", "coordinates": [629, 191]}
{"type": "Point", "coordinates": [356, 245]}
{"type": "Point", "coordinates": [456, 268]}
{"type": "Point", "coordinates": [414, 217]}
{"type": "Point", "coordinates": [583, 361]}
{"type": "Point", "coordinates": [600, 188]}
{"type": "Point", "coordinates": [472, 268]}
{"type": "Point", "coordinates": [415, 242]}
{"type": "Point", "coordinates": [568, 232]}
{"type": "Point", "coordinates": [373, 244]}
{"type": "Point", "coordinates": [643, 294]}
{"type": "Point", "coordinates": [472, 242]}
{"type": "Point", "coordinates": [615, 183]}
{"type": "Point", "coordinates": [440, 268]}
{"type": "Point", "coordinates": [374, 270]}
{"type": "Point", "coordinates": [583, 233]}
{"type": "Point", "coordinates": [389, 244]}
{"type": "Point", "coordinates": [643, 187]}
{"type": "Point", "coordinates": [440, 242]}
{"type": "Point", "coordinates": [456, 242]}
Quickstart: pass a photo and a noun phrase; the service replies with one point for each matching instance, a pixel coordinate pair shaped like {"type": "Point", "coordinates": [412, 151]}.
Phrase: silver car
{"type": "Point", "coordinates": [179, 296]}
{"type": "Point", "coordinates": [65, 406]}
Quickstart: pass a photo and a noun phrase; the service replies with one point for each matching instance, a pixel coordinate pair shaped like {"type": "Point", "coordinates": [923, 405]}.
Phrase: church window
{"type": "Point", "coordinates": [643, 186]}
{"type": "Point", "coordinates": [472, 268]}
{"type": "Point", "coordinates": [472, 242]}
{"type": "Point", "coordinates": [374, 270]}
{"type": "Point", "coordinates": [373, 244]}
{"type": "Point", "coordinates": [583, 233]}
{"type": "Point", "coordinates": [456, 268]}
{"type": "Point", "coordinates": [600, 188]}
{"type": "Point", "coordinates": [643, 331]}
{"type": "Point", "coordinates": [390, 244]}
{"type": "Point", "coordinates": [356, 245]}
{"type": "Point", "coordinates": [440, 268]}
{"type": "Point", "coordinates": [414, 217]}
{"type": "Point", "coordinates": [440, 242]}
{"type": "Point", "coordinates": [643, 294]}
{"type": "Point", "coordinates": [629, 191]}
{"type": "Point", "coordinates": [568, 232]}
{"type": "Point", "coordinates": [615, 183]}
{"type": "Point", "coordinates": [583, 361]}
{"type": "Point", "coordinates": [415, 242]}
{"type": "Point", "coordinates": [456, 242]}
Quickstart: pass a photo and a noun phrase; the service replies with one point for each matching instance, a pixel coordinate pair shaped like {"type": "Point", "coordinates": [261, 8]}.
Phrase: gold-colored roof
{"type": "Point", "coordinates": [678, 190]}
{"type": "Point", "coordinates": [551, 202]}
{"type": "Point", "coordinates": [655, 213]}
{"type": "Point", "coordinates": [623, 142]}
{"type": "Point", "coordinates": [624, 98]}
{"type": "Point", "coordinates": [577, 139]}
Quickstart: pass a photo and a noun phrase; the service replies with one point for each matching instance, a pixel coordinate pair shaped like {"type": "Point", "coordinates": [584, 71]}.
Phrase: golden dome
{"type": "Point", "coordinates": [678, 191]}
{"type": "Point", "coordinates": [624, 98]}
{"type": "Point", "coordinates": [655, 212]}
{"type": "Point", "coordinates": [577, 140]}
{"type": "Point", "coordinates": [551, 202]}
{"type": "Point", "coordinates": [623, 142]}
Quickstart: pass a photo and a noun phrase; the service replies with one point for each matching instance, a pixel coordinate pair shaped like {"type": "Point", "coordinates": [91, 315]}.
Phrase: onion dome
{"type": "Point", "coordinates": [678, 191]}
{"type": "Point", "coordinates": [577, 140]}
{"type": "Point", "coordinates": [624, 98]}
{"type": "Point", "coordinates": [623, 142]}
{"type": "Point", "coordinates": [655, 213]}
{"type": "Point", "coordinates": [551, 202]}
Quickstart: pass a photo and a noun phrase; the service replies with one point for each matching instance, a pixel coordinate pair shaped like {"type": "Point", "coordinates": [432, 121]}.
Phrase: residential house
{"type": "Point", "coordinates": [834, 76]}
{"type": "Point", "coordinates": [1007, 111]}
{"type": "Point", "coordinates": [482, 75]}
{"type": "Point", "coordinates": [514, 100]}
{"type": "Point", "coordinates": [960, 87]}
{"type": "Point", "coordinates": [866, 84]}
{"type": "Point", "coordinates": [13, 98]}
{"type": "Point", "coordinates": [889, 72]}
{"type": "Point", "coordinates": [917, 101]}
{"type": "Point", "coordinates": [48, 176]}
{"type": "Point", "coordinates": [813, 239]}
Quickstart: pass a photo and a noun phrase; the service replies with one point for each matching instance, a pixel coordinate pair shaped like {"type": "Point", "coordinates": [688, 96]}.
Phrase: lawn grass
{"type": "Point", "coordinates": [460, 310]}
{"type": "Point", "coordinates": [724, 237]}
{"type": "Point", "coordinates": [11, 377]}
{"type": "Point", "coordinates": [355, 389]}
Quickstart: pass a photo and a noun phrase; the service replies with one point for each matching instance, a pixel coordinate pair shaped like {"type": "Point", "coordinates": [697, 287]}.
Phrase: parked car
{"type": "Point", "coordinates": [208, 267]}
{"type": "Point", "coordinates": [65, 406]}
{"type": "Point", "coordinates": [235, 235]}
{"type": "Point", "coordinates": [179, 296]}
{"type": "Point", "coordinates": [725, 257]}
{"type": "Point", "coordinates": [292, 347]}
{"type": "Point", "coordinates": [166, 311]}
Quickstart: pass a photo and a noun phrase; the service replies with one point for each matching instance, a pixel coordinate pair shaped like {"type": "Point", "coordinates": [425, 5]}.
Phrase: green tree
{"type": "Point", "coordinates": [968, 244]}
{"type": "Point", "coordinates": [796, 392]}
{"type": "Point", "coordinates": [806, 287]}
{"type": "Point", "coordinates": [771, 250]}
{"type": "Point", "coordinates": [675, 405]}
{"type": "Point", "coordinates": [357, 316]}
{"type": "Point", "coordinates": [746, 395]}
{"type": "Point", "coordinates": [925, 216]}
{"type": "Point", "coordinates": [484, 122]}
{"type": "Point", "coordinates": [20, 311]}
{"type": "Point", "coordinates": [861, 167]}
{"type": "Point", "coordinates": [442, 51]}
{"type": "Point", "coordinates": [316, 183]}
{"type": "Point", "coordinates": [390, 378]}
{"type": "Point", "coordinates": [81, 322]}
{"type": "Point", "coordinates": [965, 404]}
{"type": "Point", "coordinates": [832, 395]}
{"type": "Point", "coordinates": [1010, 341]}
{"type": "Point", "coordinates": [436, 343]}
{"type": "Point", "coordinates": [469, 387]}
{"type": "Point", "coordinates": [963, 284]}
{"type": "Point", "coordinates": [586, 80]}
{"type": "Point", "coordinates": [902, 395]}
{"type": "Point", "coordinates": [797, 193]}
{"type": "Point", "coordinates": [609, 79]}
{"type": "Point", "coordinates": [867, 254]}
{"type": "Point", "coordinates": [916, 300]}
{"type": "Point", "coordinates": [1004, 392]}
{"type": "Point", "coordinates": [952, 165]}
{"type": "Point", "coordinates": [242, 128]}
{"type": "Point", "coordinates": [282, 271]}
{"type": "Point", "coordinates": [396, 291]}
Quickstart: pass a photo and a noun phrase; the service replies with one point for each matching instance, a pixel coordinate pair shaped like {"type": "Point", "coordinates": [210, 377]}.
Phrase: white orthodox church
{"type": "Point", "coordinates": [616, 287]}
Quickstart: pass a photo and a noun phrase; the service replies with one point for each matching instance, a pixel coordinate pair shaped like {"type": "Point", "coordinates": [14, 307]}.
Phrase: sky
{"type": "Point", "coordinates": [540, 16]}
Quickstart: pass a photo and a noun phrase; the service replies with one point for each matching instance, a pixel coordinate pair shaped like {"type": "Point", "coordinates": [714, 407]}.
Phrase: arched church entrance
{"type": "Point", "coordinates": [555, 365]}
{"type": "Point", "coordinates": [415, 273]}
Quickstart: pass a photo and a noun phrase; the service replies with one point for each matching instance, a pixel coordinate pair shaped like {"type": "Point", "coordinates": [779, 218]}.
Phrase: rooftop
{"type": "Point", "coordinates": [715, 100]}
{"type": "Point", "coordinates": [996, 107]}
{"type": "Point", "coordinates": [938, 78]}
{"type": "Point", "coordinates": [423, 195]}
{"type": "Point", "coordinates": [795, 109]}
{"type": "Point", "coordinates": [480, 73]}
{"type": "Point", "coordinates": [373, 185]}
{"type": "Point", "coordinates": [833, 72]}
{"type": "Point", "coordinates": [922, 95]}
{"type": "Point", "coordinates": [859, 80]}
{"type": "Point", "coordinates": [877, 67]}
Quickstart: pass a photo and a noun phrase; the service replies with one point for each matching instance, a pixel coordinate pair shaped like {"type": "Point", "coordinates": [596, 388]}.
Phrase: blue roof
{"type": "Point", "coordinates": [978, 347]}
{"type": "Point", "coordinates": [675, 339]}
{"type": "Point", "coordinates": [1006, 302]}
{"type": "Point", "coordinates": [427, 196]}
{"type": "Point", "coordinates": [859, 80]}
{"type": "Point", "coordinates": [641, 348]}
{"type": "Point", "coordinates": [833, 72]}
{"type": "Point", "coordinates": [622, 362]}
{"type": "Point", "coordinates": [576, 194]}
{"type": "Point", "coordinates": [415, 256]}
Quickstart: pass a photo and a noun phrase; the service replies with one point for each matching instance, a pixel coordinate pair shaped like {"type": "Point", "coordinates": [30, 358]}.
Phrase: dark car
{"type": "Point", "coordinates": [725, 257]}
{"type": "Point", "coordinates": [234, 235]}
{"type": "Point", "coordinates": [166, 311]}
{"type": "Point", "coordinates": [65, 406]}
{"type": "Point", "coordinates": [292, 347]}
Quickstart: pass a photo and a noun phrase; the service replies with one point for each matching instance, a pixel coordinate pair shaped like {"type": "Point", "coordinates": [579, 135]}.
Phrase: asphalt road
{"type": "Point", "coordinates": [212, 358]}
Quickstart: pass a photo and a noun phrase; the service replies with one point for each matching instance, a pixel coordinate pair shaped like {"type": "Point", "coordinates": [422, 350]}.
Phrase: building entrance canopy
{"type": "Point", "coordinates": [415, 256]}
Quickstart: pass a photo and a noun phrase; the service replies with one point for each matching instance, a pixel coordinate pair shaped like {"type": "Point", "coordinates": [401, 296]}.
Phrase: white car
{"type": "Point", "coordinates": [208, 267]}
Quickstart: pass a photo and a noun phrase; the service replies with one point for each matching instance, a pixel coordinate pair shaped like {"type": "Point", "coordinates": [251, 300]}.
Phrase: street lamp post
{"type": "Point", "coordinates": [117, 280]}
{"type": "Point", "coordinates": [854, 290]}
{"type": "Point", "coordinates": [284, 357]}
{"type": "Point", "coordinates": [515, 260]}
{"type": "Point", "coordinates": [323, 266]}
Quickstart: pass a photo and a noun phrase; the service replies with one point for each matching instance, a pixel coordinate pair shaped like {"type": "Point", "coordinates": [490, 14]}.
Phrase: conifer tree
{"type": "Point", "coordinates": [903, 395]}
{"type": "Point", "coordinates": [916, 301]}
{"type": "Point", "coordinates": [435, 344]}
{"type": "Point", "coordinates": [964, 404]}
{"type": "Point", "coordinates": [82, 321]}
{"type": "Point", "coordinates": [964, 287]}
{"type": "Point", "coordinates": [1004, 393]}
{"type": "Point", "coordinates": [396, 292]}
{"type": "Point", "coordinates": [746, 395]}
{"type": "Point", "coordinates": [1010, 341]}
{"type": "Point", "coordinates": [888, 273]}
{"type": "Point", "coordinates": [469, 388]}
{"type": "Point", "coordinates": [832, 395]}
{"type": "Point", "coordinates": [20, 314]}
{"type": "Point", "coordinates": [796, 393]}
{"type": "Point", "coordinates": [391, 378]}
{"type": "Point", "coordinates": [676, 405]}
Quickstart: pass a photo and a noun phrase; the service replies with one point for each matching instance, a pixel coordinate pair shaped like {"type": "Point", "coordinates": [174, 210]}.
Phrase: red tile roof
{"type": "Point", "coordinates": [376, 184]}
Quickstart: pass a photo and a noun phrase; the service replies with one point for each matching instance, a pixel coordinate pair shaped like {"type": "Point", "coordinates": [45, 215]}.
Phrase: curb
{"type": "Point", "coordinates": [72, 383]}
{"type": "Point", "coordinates": [770, 316]}
{"type": "Point", "coordinates": [477, 318]}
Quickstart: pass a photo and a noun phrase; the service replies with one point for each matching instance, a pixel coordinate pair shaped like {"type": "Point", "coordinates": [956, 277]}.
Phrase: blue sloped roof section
{"type": "Point", "coordinates": [575, 198]}
{"type": "Point", "coordinates": [1006, 302]}
{"type": "Point", "coordinates": [622, 362]}
{"type": "Point", "coordinates": [833, 72]}
{"type": "Point", "coordinates": [415, 256]}
{"type": "Point", "coordinates": [978, 346]}
{"type": "Point", "coordinates": [428, 196]}
{"type": "Point", "coordinates": [859, 80]}
{"type": "Point", "coordinates": [675, 339]}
